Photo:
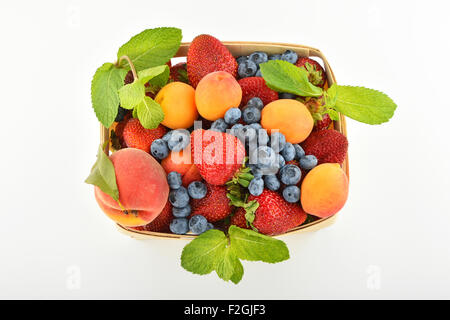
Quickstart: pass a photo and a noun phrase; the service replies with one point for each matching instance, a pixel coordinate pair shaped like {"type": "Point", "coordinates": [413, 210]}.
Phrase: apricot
{"type": "Point", "coordinates": [177, 100]}
{"type": "Point", "coordinates": [324, 190]}
{"type": "Point", "coordinates": [216, 93]}
{"type": "Point", "coordinates": [290, 117]}
{"type": "Point", "coordinates": [180, 161]}
{"type": "Point", "coordinates": [143, 189]}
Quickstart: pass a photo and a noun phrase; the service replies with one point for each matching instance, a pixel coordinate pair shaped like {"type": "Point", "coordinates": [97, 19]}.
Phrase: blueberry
{"type": "Point", "coordinates": [255, 102]}
{"type": "Point", "coordinates": [232, 116]}
{"type": "Point", "coordinates": [241, 59]}
{"type": "Point", "coordinates": [290, 174]}
{"type": "Point", "coordinates": [256, 172]}
{"type": "Point", "coordinates": [159, 149]}
{"type": "Point", "coordinates": [256, 187]}
{"type": "Point", "coordinates": [256, 126]}
{"type": "Point", "coordinates": [275, 57]}
{"type": "Point", "coordinates": [246, 134]}
{"type": "Point", "coordinates": [121, 114]}
{"type": "Point", "coordinates": [179, 226]}
{"type": "Point", "coordinates": [263, 137]}
{"type": "Point", "coordinates": [258, 73]}
{"type": "Point", "coordinates": [197, 190]}
{"type": "Point", "coordinates": [181, 212]}
{"type": "Point", "coordinates": [272, 183]}
{"type": "Point", "coordinates": [286, 95]}
{"type": "Point", "coordinates": [209, 226]}
{"type": "Point", "coordinates": [236, 129]}
{"type": "Point", "coordinates": [278, 141]}
{"type": "Point", "coordinates": [288, 152]}
{"type": "Point", "coordinates": [219, 125]}
{"type": "Point", "coordinates": [289, 56]}
{"type": "Point", "coordinates": [247, 69]}
{"type": "Point", "coordinates": [299, 152]}
{"type": "Point", "coordinates": [264, 157]}
{"type": "Point", "coordinates": [198, 224]}
{"type": "Point", "coordinates": [291, 194]}
{"type": "Point", "coordinates": [174, 180]}
{"type": "Point", "coordinates": [167, 136]}
{"type": "Point", "coordinates": [251, 115]}
{"type": "Point", "coordinates": [179, 140]}
{"type": "Point", "coordinates": [179, 198]}
{"type": "Point", "coordinates": [258, 57]}
{"type": "Point", "coordinates": [308, 162]}
{"type": "Point", "coordinates": [281, 161]}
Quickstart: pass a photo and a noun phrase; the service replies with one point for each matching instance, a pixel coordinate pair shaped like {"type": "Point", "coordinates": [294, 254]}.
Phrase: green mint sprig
{"type": "Point", "coordinates": [145, 54]}
{"type": "Point", "coordinates": [359, 103]}
{"type": "Point", "coordinates": [216, 251]}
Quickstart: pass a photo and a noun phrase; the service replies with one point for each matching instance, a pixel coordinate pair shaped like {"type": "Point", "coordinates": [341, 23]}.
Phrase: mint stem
{"type": "Point", "coordinates": [133, 69]}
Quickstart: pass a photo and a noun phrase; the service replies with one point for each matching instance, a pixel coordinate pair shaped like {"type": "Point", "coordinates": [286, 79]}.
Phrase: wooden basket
{"type": "Point", "coordinates": [242, 49]}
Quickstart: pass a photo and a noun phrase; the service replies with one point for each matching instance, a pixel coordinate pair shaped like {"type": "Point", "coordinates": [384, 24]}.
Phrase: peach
{"type": "Point", "coordinates": [177, 100]}
{"type": "Point", "coordinates": [324, 190]}
{"type": "Point", "coordinates": [143, 188]}
{"type": "Point", "coordinates": [216, 93]}
{"type": "Point", "coordinates": [290, 117]}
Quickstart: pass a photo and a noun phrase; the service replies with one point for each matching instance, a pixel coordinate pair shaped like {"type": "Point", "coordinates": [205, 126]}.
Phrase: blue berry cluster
{"type": "Point", "coordinates": [179, 197]}
{"type": "Point", "coordinates": [248, 66]}
{"type": "Point", "coordinates": [174, 140]}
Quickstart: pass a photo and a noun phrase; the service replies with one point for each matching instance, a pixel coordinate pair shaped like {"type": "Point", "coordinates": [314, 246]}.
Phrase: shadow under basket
{"type": "Point", "coordinates": [243, 49]}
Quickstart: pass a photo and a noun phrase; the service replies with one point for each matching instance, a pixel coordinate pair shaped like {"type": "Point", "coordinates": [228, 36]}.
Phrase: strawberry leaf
{"type": "Point", "coordinates": [283, 76]}
{"type": "Point", "coordinates": [103, 175]}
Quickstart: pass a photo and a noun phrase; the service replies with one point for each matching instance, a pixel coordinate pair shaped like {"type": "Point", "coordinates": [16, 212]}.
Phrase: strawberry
{"type": "Point", "coordinates": [329, 146]}
{"type": "Point", "coordinates": [318, 111]}
{"type": "Point", "coordinates": [256, 87]}
{"type": "Point", "coordinates": [274, 215]}
{"type": "Point", "coordinates": [179, 73]}
{"type": "Point", "coordinates": [317, 75]}
{"type": "Point", "coordinates": [207, 54]}
{"type": "Point", "coordinates": [161, 222]}
{"type": "Point", "coordinates": [214, 206]}
{"type": "Point", "coordinates": [238, 219]}
{"type": "Point", "coordinates": [217, 155]}
{"type": "Point", "coordinates": [136, 136]}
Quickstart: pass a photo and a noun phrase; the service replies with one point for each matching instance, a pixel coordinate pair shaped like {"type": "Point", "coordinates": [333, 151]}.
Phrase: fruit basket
{"type": "Point", "coordinates": [240, 49]}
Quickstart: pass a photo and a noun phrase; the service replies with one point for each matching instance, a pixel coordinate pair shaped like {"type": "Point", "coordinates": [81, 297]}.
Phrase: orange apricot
{"type": "Point", "coordinates": [216, 93]}
{"type": "Point", "coordinates": [324, 190]}
{"type": "Point", "coordinates": [177, 100]}
{"type": "Point", "coordinates": [290, 117]}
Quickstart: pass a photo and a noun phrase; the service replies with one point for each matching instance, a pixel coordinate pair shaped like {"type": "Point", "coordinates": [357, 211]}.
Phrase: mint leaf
{"type": "Point", "coordinates": [229, 266]}
{"type": "Point", "coordinates": [131, 95]}
{"type": "Point", "coordinates": [103, 175]}
{"type": "Point", "coordinates": [104, 92]}
{"type": "Point", "coordinates": [157, 76]}
{"type": "Point", "coordinates": [364, 105]}
{"type": "Point", "coordinates": [253, 246]}
{"type": "Point", "coordinates": [149, 113]}
{"type": "Point", "coordinates": [202, 254]}
{"type": "Point", "coordinates": [152, 47]}
{"type": "Point", "coordinates": [283, 76]}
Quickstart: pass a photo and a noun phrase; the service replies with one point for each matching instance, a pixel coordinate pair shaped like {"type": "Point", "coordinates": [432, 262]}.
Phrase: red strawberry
{"type": "Point", "coordinates": [214, 206]}
{"type": "Point", "coordinates": [218, 156]}
{"type": "Point", "coordinates": [161, 223]}
{"type": "Point", "coordinates": [256, 87]}
{"type": "Point", "coordinates": [317, 75]}
{"type": "Point", "coordinates": [317, 108]}
{"type": "Point", "coordinates": [179, 73]}
{"type": "Point", "coordinates": [274, 215]}
{"type": "Point", "coordinates": [207, 54]}
{"type": "Point", "coordinates": [322, 124]}
{"type": "Point", "coordinates": [329, 146]}
{"type": "Point", "coordinates": [238, 219]}
{"type": "Point", "coordinates": [136, 136]}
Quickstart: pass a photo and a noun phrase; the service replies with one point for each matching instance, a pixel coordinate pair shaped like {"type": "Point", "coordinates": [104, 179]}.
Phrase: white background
{"type": "Point", "coordinates": [392, 238]}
